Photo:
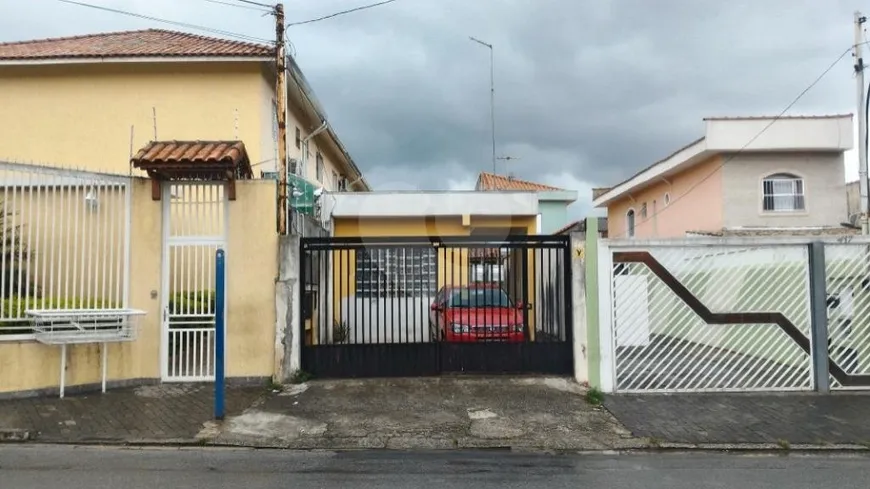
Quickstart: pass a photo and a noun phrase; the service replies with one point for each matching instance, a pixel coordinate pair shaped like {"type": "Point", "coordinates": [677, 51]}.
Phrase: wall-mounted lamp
{"type": "Point", "coordinates": [91, 199]}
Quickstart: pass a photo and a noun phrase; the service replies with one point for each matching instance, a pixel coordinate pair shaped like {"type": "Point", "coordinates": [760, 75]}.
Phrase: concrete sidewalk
{"type": "Point", "coordinates": [167, 413]}
{"type": "Point", "coordinates": [426, 413]}
{"type": "Point", "coordinates": [784, 420]}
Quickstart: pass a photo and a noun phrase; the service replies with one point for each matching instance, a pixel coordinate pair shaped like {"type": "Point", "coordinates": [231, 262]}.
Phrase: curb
{"type": "Point", "coordinates": [22, 436]}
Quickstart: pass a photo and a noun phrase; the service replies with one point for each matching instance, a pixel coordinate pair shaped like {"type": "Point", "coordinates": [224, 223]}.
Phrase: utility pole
{"type": "Point", "coordinates": [862, 125]}
{"type": "Point", "coordinates": [281, 99]}
{"type": "Point", "coordinates": [491, 94]}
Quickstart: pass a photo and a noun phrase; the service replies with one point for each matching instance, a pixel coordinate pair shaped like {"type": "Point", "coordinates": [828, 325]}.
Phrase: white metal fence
{"type": "Point", "coordinates": [847, 276]}
{"type": "Point", "coordinates": [64, 243]}
{"type": "Point", "coordinates": [709, 318]}
{"type": "Point", "coordinates": [703, 314]}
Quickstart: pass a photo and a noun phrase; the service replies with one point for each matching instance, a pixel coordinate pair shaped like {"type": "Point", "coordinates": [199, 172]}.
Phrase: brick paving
{"type": "Point", "coordinates": [148, 413]}
{"type": "Point", "coordinates": [746, 418]}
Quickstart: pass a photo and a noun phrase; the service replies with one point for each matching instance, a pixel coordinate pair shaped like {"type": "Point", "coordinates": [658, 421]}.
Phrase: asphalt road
{"type": "Point", "coordinates": [50, 467]}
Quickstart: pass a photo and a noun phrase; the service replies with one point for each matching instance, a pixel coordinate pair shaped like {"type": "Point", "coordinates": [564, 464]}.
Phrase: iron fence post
{"type": "Point", "coordinates": [819, 321]}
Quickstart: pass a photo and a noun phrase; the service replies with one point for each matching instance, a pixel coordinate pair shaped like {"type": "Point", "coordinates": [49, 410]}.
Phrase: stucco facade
{"type": "Point", "coordinates": [700, 208]}
{"type": "Point", "coordinates": [824, 189]}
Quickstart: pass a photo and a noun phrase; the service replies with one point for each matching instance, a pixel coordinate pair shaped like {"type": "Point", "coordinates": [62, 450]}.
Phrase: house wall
{"type": "Point", "coordinates": [554, 216]}
{"type": "Point", "coordinates": [695, 204]}
{"type": "Point", "coordinates": [252, 253]}
{"type": "Point", "coordinates": [853, 200]}
{"type": "Point", "coordinates": [80, 115]}
{"type": "Point", "coordinates": [824, 188]}
{"type": "Point", "coordinates": [333, 162]}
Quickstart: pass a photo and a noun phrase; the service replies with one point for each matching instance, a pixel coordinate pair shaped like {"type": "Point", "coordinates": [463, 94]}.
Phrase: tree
{"type": "Point", "coordinates": [14, 255]}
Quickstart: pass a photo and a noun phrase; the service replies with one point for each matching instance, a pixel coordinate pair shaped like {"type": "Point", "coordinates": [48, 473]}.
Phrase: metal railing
{"type": "Point", "coordinates": [64, 243]}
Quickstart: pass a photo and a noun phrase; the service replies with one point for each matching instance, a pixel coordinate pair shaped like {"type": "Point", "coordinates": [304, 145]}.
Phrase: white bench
{"type": "Point", "coordinates": [84, 326]}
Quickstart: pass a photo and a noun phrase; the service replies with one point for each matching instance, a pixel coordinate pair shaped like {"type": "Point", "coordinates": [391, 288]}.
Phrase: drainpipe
{"type": "Point", "coordinates": [305, 146]}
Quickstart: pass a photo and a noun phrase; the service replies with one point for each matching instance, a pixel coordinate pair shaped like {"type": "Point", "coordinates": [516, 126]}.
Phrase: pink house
{"type": "Point", "coordinates": [746, 172]}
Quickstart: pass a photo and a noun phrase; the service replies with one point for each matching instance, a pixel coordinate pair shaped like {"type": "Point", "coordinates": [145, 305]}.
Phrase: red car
{"type": "Point", "coordinates": [476, 313]}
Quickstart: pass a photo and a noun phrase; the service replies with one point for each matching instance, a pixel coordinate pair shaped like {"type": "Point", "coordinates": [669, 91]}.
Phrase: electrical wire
{"type": "Point", "coordinates": [247, 7]}
{"type": "Point", "coordinates": [172, 22]}
{"type": "Point", "coordinates": [756, 136]}
{"type": "Point", "coordinates": [270, 7]}
{"type": "Point", "coordinates": [355, 9]}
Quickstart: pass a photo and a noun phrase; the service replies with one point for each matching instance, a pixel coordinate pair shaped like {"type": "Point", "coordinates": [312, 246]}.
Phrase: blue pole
{"type": "Point", "coordinates": [220, 334]}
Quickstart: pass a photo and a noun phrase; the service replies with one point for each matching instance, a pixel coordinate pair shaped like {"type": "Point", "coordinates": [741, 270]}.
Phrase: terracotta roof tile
{"type": "Point", "coordinates": [126, 44]}
{"type": "Point", "coordinates": [491, 181]}
{"type": "Point", "coordinates": [194, 159]}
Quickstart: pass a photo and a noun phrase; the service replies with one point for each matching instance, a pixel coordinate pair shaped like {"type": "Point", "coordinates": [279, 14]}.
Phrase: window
{"type": "Point", "coordinates": [395, 272]}
{"type": "Point", "coordinates": [298, 139]}
{"type": "Point", "coordinates": [783, 192]}
{"type": "Point", "coordinates": [629, 223]}
{"type": "Point", "coordinates": [335, 180]}
{"type": "Point", "coordinates": [643, 211]}
{"type": "Point", "coordinates": [667, 199]}
{"type": "Point", "coordinates": [319, 169]}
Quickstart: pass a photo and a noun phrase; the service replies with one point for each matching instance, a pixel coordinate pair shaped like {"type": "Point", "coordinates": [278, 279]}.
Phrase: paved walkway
{"type": "Point", "coordinates": [159, 413]}
{"type": "Point", "coordinates": [746, 418]}
{"type": "Point", "coordinates": [428, 413]}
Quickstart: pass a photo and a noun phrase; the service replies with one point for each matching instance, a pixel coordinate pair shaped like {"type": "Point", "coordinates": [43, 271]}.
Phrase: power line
{"type": "Point", "coordinates": [247, 7]}
{"type": "Point", "coordinates": [270, 7]}
{"type": "Point", "coordinates": [171, 22]}
{"type": "Point", "coordinates": [356, 9]}
{"type": "Point", "coordinates": [757, 135]}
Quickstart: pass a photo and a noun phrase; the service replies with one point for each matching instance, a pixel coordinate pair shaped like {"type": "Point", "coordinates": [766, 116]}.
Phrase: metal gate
{"type": "Point", "coordinates": [381, 307]}
{"type": "Point", "coordinates": [194, 228]}
{"type": "Point", "coordinates": [689, 317]}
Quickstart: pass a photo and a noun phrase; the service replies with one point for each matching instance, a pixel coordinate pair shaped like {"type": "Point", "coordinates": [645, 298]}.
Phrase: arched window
{"type": "Point", "coordinates": [783, 192]}
{"type": "Point", "coordinates": [629, 222]}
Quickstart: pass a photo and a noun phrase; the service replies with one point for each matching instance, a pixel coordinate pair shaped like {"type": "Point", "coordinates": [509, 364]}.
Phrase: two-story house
{"type": "Point", "coordinates": [757, 173]}
{"type": "Point", "coordinates": [91, 101]}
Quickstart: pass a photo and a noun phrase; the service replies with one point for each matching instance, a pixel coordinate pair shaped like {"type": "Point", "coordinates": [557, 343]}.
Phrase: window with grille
{"type": "Point", "coordinates": [643, 211]}
{"type": "Point", "coordinates": [395, 272]}
{"type": "Point", "coordinates": [783, 193]}
{"type": "Point", "coordinates": [629, 221]}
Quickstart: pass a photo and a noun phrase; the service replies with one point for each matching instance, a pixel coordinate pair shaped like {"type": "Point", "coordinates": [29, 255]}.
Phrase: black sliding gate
{"type": "Point", "coordinates": [387, 307]}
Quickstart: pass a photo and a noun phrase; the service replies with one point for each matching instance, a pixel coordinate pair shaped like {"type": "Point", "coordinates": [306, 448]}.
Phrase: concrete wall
{"type": "Point", "coordinates": [252, 267]}
{"type": "Point", "coordinates": [691, 200]}
{"type": "Point", "coordinates": [29, 366]}
{"type": "Point", "coordinates": [824, 188]}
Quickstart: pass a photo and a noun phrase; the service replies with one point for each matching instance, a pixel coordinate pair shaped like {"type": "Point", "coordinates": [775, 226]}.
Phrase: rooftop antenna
{"type": "Point", "coordinates": [508, 158]}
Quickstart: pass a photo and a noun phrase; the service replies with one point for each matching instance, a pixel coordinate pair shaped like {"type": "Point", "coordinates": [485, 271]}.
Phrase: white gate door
{"type": "Point", "coordinates": [194, 228]}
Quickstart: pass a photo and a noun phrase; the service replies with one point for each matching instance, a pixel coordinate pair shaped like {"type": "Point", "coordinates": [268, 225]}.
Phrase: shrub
{"type": "Point", "coordinates": [13, 310]}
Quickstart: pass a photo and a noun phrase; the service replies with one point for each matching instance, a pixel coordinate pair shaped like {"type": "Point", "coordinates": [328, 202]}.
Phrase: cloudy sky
{"type": "Point", "coordinates": [587, 91]}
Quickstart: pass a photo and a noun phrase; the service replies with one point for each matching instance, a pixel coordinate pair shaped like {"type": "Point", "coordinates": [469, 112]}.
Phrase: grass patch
{"type": "Point", "coordinates": [784, 444]}
{"type": "Point", "coordinates": [271, 385]}
{"type": "Point", "coordinates": [300, 377]}
{"type": "Point", "coordinates": [594, 396]}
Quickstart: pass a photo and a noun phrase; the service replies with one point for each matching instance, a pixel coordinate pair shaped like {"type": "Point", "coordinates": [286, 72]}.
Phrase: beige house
{"type": "Point", "coordinates": [746, 172]}
{"type": "Point", "coordinates": [90, 101]}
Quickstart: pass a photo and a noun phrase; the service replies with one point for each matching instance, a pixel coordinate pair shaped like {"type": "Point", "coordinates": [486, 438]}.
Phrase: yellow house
{"type": "Point", "coordinates": [90, 101]}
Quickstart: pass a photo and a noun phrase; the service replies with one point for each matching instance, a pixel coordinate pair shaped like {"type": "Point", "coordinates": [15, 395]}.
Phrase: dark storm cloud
{"type": "Point", "coordinates": [587, 92]}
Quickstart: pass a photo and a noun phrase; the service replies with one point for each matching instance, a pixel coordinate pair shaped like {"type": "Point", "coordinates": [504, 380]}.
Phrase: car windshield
{"type": "Point", "coordinates": [479, 298]}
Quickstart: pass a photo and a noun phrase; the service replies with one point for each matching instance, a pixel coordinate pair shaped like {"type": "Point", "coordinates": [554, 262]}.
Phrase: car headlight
{"type": "Point", "coordinates": [461, 328]}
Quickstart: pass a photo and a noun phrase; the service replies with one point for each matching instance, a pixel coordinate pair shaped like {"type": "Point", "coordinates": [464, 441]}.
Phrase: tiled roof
{"type": "Point", "coordinates": [127, 44]}
{"type": "Point", "coordinates": [491, 181]}
{"type": "Point", "coordinates": [194, 159]}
